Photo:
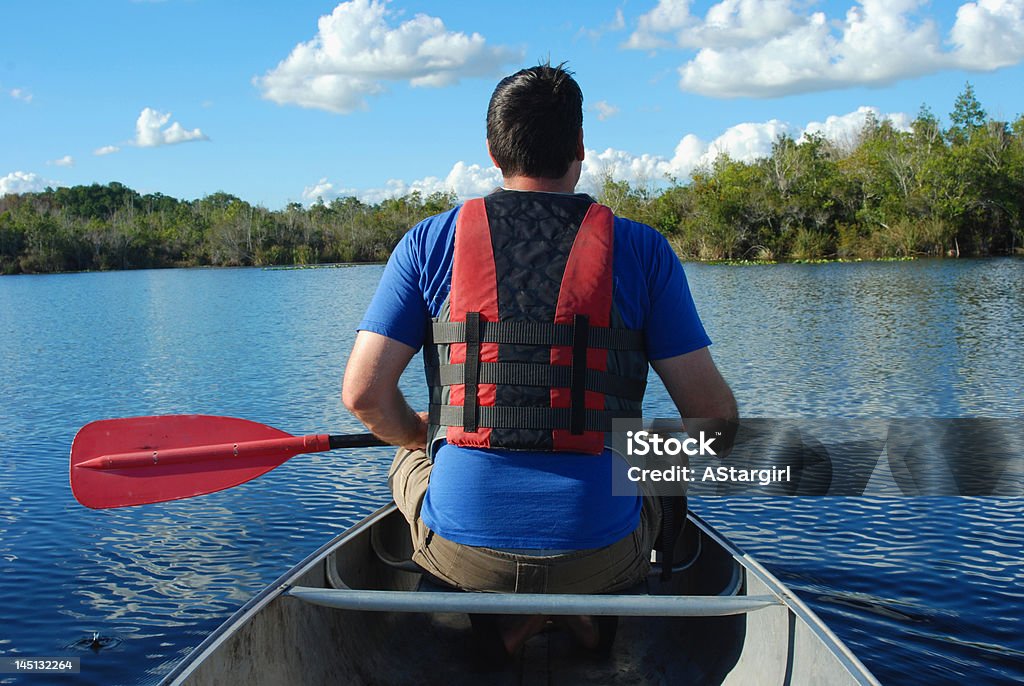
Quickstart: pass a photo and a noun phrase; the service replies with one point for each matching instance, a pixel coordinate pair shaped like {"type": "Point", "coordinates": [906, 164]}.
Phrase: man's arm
{"type": "Point", "coordinates": [370, 390]}
{"type": "Point", "coordinates": [699, 392]}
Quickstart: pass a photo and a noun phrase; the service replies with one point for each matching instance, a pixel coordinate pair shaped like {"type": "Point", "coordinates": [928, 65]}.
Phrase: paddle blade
{"type": "Point", "coordinates": [141, 460]}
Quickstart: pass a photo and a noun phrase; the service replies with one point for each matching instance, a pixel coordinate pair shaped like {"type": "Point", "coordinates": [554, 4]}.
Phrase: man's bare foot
{"type": "Point", "coordinates": [516, 631]}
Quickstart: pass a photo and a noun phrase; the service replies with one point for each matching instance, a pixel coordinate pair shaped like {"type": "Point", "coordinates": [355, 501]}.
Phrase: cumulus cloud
{"type": "Point", "coordinates": [66, 161]}
{"type": "Point", "coordinates": [844, 130]}
{"type": "Point", "coordinates": [324, 190]}
{"type": "Point", "coordinates": [23, 182]}
{"type": "Point", "coordinates": [667, 17]}
{"type": "Point", "coordinates": [729, 23]}
{"type": "Point", "coordinates": [989, 34]}
{"type": "Point", "coordinates": [154, 129]}
{"type": "Point", "coordinates": [638, 170]}
{"type": "Point", "coordinates": [465, 180]}
{"type": "Point", "coordinates": [151, 130]}
{"type": "Point", "coordinates": [768, 48]}
{"type": "Point", "coordinates": [357, 49]}
{"type": "Point", "coordinates": [604, 110]}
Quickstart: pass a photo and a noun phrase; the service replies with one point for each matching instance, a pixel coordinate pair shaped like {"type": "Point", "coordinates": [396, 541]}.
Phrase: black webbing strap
{"type": "Point", "coordinates": [673, 519]}
{"type": "Point", "coordinates": [539, 333]}
{"type": "Point", "coordinates": [472, 372]}
{"type": "Point", "coordinates": [544, 418]}
{"type": "Point", "coordinates": [543, 375]}
{"type": "Point", "coordinates": [578, 382]}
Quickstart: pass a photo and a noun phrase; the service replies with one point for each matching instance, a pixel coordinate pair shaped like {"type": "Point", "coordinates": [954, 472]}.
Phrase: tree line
{"type": "Point", "coordinates": [885, 193]}
{"type": "Point", "coordinates": [102, 227]}
{"type": "Point", "coordinates": [931, 190]}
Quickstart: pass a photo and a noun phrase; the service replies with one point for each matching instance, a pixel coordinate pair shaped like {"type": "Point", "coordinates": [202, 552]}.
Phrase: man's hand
{"type": "Point", "coordinates": [370, 391]}
{"type": "Point", "coordinates": [700, 393]}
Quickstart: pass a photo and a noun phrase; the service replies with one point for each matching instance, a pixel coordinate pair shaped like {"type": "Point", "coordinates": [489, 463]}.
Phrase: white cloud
{"type": "Point", "coordinates": [21, 94]}
{"type": "Point", "coordinates": [356, 50]}
{"type": "Point", "coordinates": [768, 48]}
{"type": "Point", "coordinates": [729, 23]}
{"type": "Point", "coordinates": [639, 170]}
{"type": "Point", "coordinates": [465, 180]}
{"type": "Point", "coordinates": [604, 110]}
{"type": "Point", "coordinates": [747, 141]}
{"type": "Point", "coordinates": [152, 130]}
{"type": "Point", "coordinates": [989, 34]}
{"type": "Point", "coordinates": [324, 190]}
{"type": "Point", "coordinates": [668, 16]}
{"type": "Point", "coordinates": [66, 161]}
{"type": "Point", "coordinates": [845, 129]}
{"type": "Point", "coordinates": [23, 182]}
{"type": "Point", "coordinates": [149, 134]}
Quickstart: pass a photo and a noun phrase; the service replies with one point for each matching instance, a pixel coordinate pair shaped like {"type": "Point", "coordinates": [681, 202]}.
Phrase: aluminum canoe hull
{"type": "Point", "coordinates": [348, 615]}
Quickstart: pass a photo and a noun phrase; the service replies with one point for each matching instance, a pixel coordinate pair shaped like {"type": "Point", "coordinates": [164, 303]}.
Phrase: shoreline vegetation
{"type": "Point", "coordinates": [883, 194]}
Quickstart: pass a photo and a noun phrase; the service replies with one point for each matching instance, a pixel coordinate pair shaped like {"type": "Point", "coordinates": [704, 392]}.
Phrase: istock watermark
{"type": "Point", "coordinates": [642, 443]}
{"type": "Point", "coordinates": [816, 457]}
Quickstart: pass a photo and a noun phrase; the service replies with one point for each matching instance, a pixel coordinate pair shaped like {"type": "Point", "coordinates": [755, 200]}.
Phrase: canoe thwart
{"type": "Point", "coordinates": [533, 603]}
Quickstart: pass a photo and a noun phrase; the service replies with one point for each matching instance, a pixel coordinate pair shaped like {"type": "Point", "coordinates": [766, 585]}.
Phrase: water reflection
{"type": "Point", "coordinates": [869, 339]}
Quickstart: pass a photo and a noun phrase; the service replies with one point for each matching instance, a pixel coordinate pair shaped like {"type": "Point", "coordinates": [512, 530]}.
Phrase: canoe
{"type": "Point", "coordinates": [357, 612]}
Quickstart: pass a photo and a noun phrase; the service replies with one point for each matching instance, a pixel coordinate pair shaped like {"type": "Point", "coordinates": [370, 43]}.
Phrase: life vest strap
{"type": "Point", "coordinates": [577, 384]}
{"type": "Point", "coordinates": [544, 418]}
{"type": "Point", "coordinates": [472, 371]}
{"type": "Point", "coordinates": [542, 375]}
{"type": "Point", "coordinates": [538, 333]}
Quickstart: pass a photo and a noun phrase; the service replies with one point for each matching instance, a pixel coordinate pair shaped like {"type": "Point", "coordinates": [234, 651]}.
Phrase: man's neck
{"type": "Point", "coordinates": [530, 183]}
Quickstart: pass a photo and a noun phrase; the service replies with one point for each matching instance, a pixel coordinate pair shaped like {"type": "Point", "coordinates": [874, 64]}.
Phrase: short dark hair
{"type": "Point", "coordinates": [533, 122]}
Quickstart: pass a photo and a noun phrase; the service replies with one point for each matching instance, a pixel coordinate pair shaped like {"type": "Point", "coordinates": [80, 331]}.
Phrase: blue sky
{"type": "Point", "coordinates": [281, 102]}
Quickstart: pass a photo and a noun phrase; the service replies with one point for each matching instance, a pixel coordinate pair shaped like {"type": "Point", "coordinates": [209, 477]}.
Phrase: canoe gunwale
{"type": "Point", "coordinates": [269, 594]}
{"type": "Point", "coordinates": [796, 606]}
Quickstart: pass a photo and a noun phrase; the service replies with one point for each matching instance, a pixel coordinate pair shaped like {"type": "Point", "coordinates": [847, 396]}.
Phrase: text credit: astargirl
{"type": "Point", "coordinates": [647, 444]}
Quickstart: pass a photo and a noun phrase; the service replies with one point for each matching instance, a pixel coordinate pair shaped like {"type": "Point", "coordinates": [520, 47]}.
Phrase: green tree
{"type": "Point", "coordinates": [968, 114]}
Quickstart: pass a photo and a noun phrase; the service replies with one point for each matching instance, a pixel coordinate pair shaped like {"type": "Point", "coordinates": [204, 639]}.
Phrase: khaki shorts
{"type": "Point", "coordinates": [597, 570]}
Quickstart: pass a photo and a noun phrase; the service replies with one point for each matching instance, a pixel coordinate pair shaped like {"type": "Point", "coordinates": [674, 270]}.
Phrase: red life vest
{"type": "Point", "coordinates": [528, 352]}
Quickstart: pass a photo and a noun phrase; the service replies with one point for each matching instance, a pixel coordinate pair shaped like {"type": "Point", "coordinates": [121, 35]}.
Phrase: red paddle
{"type": "Point", "coordinates": [139, 460]}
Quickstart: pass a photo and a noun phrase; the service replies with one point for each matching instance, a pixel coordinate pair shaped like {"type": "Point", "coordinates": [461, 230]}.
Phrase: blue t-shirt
{"type": "Point", "coordinates": [520, 499]}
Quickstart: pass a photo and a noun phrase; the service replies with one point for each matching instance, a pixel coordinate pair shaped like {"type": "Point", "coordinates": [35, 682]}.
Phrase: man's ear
{"type": "Point", "coordinates": [491, 155]}
{"type": "Point", "coordinates": [581, 152]}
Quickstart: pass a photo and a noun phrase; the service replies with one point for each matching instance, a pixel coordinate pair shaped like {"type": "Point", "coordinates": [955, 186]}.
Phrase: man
{"type": "Point", "coordinates": [538, 312]}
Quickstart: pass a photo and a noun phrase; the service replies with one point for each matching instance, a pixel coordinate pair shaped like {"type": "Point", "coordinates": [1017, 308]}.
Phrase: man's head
{"type": "Point", "coordinates": [534, 122]}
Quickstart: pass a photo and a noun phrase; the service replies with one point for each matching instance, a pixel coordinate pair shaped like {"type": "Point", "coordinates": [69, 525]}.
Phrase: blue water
{"type": "Point", "coordinates": [924, 590]}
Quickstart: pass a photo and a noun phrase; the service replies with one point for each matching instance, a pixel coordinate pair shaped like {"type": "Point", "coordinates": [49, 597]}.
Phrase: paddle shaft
{"type": "Point", "coordinates": [246, 450]}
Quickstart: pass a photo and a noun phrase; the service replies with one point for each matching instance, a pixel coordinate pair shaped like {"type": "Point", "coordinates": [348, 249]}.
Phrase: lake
{"type": "Point", "coordinates": [924, 590]}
